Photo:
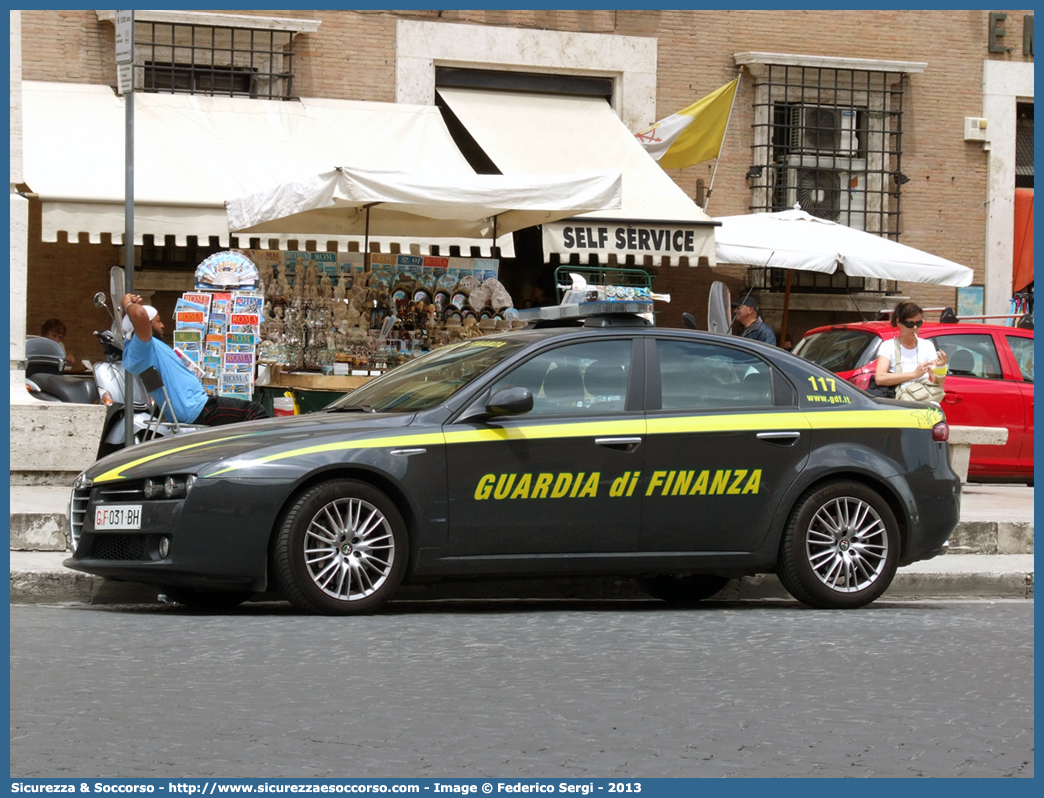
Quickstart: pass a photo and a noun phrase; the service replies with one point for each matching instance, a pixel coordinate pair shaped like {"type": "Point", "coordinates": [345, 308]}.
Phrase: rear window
{"type": "Point", "coordinates": [838, 350]}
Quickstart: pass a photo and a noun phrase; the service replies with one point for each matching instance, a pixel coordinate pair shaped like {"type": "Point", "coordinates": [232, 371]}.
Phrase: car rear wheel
{"type": "Point", "coordinates": [683, 589]}
{"type": "Point", "coordinates": [341, 549]}
{"type": "Point", "coordinates": [840, 549]}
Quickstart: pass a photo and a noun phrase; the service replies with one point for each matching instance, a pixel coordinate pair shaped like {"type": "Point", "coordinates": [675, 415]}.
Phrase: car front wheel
{"type": "Point", "coordinates": [840, 549]}
{"type": "Point", "coordinates": [341, 549]}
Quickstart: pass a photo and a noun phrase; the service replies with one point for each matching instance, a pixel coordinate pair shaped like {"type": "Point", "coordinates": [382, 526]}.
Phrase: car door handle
{"type": "Point", "coordinates": [952, 398]}
{"type": "Point", "coordinates": [788, 438]}
{"type": "Point", "coordinates": [620, 444]}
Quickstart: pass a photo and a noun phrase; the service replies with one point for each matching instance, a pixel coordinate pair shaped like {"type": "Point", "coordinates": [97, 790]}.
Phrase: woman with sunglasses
{"type": "Point", "coordinates": [918, 358]}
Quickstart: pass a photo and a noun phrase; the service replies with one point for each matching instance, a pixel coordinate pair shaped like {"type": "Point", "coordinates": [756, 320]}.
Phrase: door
{"type": "Point", "coordinates": [561, 478]}
{"type": "Point", "coordinates": [1022, 353]}
{"type": "Point", "coordinates": [725, 442]}
{"type": "Point", "coordinates": [979, 395]}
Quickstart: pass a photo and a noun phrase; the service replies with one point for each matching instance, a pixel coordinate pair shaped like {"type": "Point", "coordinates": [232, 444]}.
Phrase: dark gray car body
{"type": "Point", "coordinates": [475, 494]}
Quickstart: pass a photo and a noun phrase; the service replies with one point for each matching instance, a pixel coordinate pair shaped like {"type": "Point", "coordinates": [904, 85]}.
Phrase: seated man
{"type": "Point", "coordinates": [143, 348]}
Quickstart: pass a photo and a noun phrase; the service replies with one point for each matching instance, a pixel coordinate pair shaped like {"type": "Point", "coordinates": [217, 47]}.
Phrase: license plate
{"type": "Point", "coordinates": [119, 516]}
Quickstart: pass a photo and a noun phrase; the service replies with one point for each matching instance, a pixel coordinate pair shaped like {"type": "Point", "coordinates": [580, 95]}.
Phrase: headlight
{"type": "Point", "coordinates": [173, 486]}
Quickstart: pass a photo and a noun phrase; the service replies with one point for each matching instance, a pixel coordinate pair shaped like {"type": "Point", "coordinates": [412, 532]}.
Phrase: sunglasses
{"type": "Point", "coordinates": [912, 325]}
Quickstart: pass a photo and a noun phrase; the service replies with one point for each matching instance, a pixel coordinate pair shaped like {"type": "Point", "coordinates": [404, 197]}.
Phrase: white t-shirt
{"type": "Point", "coordinates": [910, 358]}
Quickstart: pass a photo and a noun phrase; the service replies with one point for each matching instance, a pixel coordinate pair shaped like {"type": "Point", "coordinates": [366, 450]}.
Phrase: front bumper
{"type": "Point", "coordinates": [218, 535]}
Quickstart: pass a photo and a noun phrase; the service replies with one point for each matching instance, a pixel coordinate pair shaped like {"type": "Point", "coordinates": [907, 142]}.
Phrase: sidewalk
{"type": "Point", "coordinates": [991, 556]}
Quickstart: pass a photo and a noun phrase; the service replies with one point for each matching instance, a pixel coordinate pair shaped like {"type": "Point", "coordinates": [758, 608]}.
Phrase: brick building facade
{"type": "Point", "coordinates": [947, 66]}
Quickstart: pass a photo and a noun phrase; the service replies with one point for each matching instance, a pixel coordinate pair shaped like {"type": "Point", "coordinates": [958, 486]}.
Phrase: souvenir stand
{"type": "Point", "coordinates": [330, 323]}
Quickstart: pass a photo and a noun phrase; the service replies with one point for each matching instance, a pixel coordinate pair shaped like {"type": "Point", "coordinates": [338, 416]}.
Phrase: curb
{"type": "Point", "coordinates": [51, 587]}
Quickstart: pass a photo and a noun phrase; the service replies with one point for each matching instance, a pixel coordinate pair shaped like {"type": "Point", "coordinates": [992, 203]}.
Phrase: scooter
{"type": "Point", "coordinates": [110, 377]}
{"type": "Point", "coordinates": [44, 377]}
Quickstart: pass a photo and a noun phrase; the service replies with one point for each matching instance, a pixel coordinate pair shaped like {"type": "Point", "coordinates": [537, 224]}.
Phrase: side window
{"type": "Point", "coordinates": [971, 355]}
{"type": "Point", "coordinates": [697, 376]}
{"type": "Point", "coordinates": [584, 378]}
{"type": "Point", "coordinates": [1023, 349]}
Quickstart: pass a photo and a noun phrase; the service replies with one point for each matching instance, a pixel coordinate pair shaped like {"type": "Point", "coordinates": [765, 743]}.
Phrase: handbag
{"type": "Point", "coordinates": [919, 391]}
{"type": "Point", "coordinates": [883, 391]}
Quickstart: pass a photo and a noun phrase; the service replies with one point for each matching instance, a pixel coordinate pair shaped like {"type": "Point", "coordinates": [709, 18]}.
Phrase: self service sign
{"type": "Point", "coordinates": [604, 238]}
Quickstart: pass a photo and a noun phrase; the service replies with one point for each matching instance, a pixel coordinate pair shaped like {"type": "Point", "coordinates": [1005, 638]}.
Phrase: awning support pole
{"type": "Point", "coordinates": [128, 238]}
{"type": "Point", "coordinates": [786, 310]}
{"type": "Point", "coordinates": [366, 242]}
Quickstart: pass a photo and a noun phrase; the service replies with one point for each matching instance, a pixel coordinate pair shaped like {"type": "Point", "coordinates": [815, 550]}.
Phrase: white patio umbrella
{"type": "Point", "coordinates": [356, 201]}
{"type": "Point", "coordinates": [796, 240]}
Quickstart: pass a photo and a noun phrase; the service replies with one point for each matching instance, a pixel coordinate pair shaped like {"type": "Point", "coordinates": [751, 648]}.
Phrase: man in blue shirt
{"type": "Point", "coordinates": [746, 313]}
{"type": "Point", "coordinates": [142, 329]}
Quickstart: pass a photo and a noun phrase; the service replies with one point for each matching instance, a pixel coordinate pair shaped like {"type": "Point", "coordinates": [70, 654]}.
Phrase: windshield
{"type": "Point", "coordinates": [429, 380]}
{"type": "Point", "coordinates": [837, 350]}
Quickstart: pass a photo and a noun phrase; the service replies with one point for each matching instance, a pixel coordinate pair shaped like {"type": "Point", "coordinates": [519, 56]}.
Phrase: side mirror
{"type": "Point", "coordinates": [99, 300]}
{"type": "Point", "coordinates": [689, 321]}
{"type": "Point", "coordinates": [510, 402]}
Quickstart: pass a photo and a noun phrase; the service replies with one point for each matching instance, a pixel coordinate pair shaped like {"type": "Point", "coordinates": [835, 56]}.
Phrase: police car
{"type": "Point", "coordinates": [680, 458]}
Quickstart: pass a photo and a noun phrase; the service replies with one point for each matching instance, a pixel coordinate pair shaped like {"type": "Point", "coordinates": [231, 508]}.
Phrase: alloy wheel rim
{"type": "Point", "coordinates": [847, 545]}
{"type": "Point", "coordinates": [349, 549]}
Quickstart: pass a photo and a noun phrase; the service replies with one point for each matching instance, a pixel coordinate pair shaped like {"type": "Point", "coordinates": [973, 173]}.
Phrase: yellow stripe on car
{"type": "Point", "coordinates": [425, 439]}
{"type": "Point", "coordinates": [117, 473]}
{"type": "Point", "coordinates": [900, 418]}
{"type": "Point", "coordinates": [548, 431]}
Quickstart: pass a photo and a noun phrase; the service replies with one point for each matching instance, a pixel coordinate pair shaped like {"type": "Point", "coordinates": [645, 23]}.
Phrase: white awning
{"type": "Point", "coordinates": [193, 152]}
{"type": "Point", "coordinates": [527, 134]}
{"type": "Point", "coordinates": [351, 199]}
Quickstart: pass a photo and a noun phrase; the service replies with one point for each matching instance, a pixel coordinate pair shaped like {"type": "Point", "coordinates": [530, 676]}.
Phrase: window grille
{"type": "Point", "coordinates": [830, 140]}
{"type": "Point", "coordinates": [1024, 146]}
{"type": "Point", "coordinates": [184, 58]}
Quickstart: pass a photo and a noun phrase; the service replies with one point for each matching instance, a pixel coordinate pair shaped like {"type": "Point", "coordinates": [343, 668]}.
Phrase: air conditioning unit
{"type": "Point", "coordinates": [830, 188]}
{"type": "Point", "coordinates": [823, 128]}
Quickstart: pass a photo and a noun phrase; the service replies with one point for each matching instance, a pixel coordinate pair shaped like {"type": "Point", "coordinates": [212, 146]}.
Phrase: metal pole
{"type": "Point", "coordinates": [128, 239]}
{"type": "Point", "coordinates": [717, 160]}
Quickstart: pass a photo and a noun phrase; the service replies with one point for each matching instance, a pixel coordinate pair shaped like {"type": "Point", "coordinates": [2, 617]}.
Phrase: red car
{"type": "Point", "coordinates": [990, 383]}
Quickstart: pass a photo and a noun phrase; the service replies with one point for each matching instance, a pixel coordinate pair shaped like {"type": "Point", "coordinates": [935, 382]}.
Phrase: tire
{"type": "Point", "coordinates": [206, 601]}
{"type": "Point", "coordinates": [840, 549]}
{"type": "Point", "coordinates": [683, 589]}
{"type": "Point", "coordinates": [341, 550]}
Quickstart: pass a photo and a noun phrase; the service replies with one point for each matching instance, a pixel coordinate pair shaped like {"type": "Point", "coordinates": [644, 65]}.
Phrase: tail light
{"type": "Point", "coordinates": [941, 431]}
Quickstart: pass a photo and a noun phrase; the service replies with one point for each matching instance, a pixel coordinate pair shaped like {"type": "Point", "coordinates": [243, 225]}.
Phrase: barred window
{"type": "Point", "coordinates": [211, 53]}
{"type": "Point", "coordinates": [200, 59]}
{"type": "Point", "coordinates": [828, 136]}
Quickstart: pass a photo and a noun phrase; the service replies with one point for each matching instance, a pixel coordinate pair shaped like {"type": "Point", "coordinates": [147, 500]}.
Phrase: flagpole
{"type": "Point", "coordinates": [717, 160]}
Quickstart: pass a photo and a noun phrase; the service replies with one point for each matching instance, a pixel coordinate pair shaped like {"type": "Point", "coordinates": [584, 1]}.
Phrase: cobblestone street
{"type": "Point", "coordinates": [523, 689]}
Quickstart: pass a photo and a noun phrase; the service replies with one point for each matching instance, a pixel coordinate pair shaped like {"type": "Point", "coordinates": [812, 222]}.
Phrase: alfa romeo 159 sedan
{"type": "Point", "coordinates": [682, 459]}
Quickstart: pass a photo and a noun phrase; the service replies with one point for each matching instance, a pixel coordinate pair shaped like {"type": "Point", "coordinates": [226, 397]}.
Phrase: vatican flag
{"type": "Point", "coordinates": [694, 134]}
